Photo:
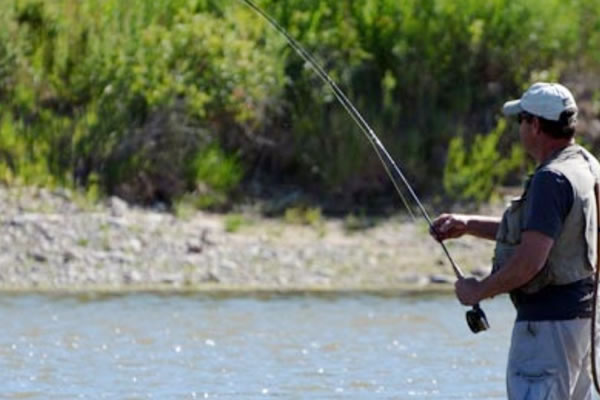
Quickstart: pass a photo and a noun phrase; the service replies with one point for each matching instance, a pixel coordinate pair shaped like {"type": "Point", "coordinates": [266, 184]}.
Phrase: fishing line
{"type": "Point", "coordinates": [475, 318]}
{"type": "Point", "coordinates": [356, 116]}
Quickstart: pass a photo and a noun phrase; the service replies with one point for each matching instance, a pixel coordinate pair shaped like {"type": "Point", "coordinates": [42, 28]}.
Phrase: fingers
{"type": "Point", "coordinates": [468, 291]}
{"type": "Point", "coordinates": [447, 226]}
{"type": "Point", "coordinates": [441, 226]}
{"type": "Point", "coordinates": [435, 231]}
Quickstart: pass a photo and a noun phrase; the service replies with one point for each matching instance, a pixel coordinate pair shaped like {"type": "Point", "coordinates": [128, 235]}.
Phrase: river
{"type": "Point", "coordinates": [148, 346]}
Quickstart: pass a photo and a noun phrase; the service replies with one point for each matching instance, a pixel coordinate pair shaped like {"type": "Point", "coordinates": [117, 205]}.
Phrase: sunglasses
{"type": "Point", "coordinates": [523, 116]}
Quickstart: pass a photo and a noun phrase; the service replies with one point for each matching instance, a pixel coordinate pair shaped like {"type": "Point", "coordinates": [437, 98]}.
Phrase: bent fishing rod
{"type": "Point", "coordinates": [476, 318]}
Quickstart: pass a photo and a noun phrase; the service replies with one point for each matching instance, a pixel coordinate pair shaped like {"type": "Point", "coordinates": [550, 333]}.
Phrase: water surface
{"type": "Point", "coordinates": [183, 347]}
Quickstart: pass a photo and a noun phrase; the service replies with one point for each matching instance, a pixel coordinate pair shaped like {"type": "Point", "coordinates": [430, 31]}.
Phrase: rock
{"type": "Point", "coordinates": [69, 255]}
{"type": "Point", "coordinates": [211, 277]}
{"type": "Point", "coordinates": [39, 257]}
{"type": "Point", "coordinates": [441, 279]}
{"type": "Point", "coordinates": [160, 207]}
{"type": "Point", "coordinates": [204, 239]}
{"type": "Point", "coordinates": [112, 245]}
{"type": "Point", "coordinates": [64, 194]}
{"type": "Point", "coordinates": [194, 247]}
{"type": "Point", "coordinates": [41, 228]}
{"type": "Point", "coordinates": [415, 279]}
{"type": "Point", "coordinates": [121, 258]}
{"type": "Point", "coordinates": [17, 221]}
{"type": "Point", "coordinates": [118, 207]}
{"type": "Point", "coordinates": [135, 245]}
{"type": "Point", "coordinates": [131, 276]}
{"type": "Point", "coordinates": [118, 222]}
{"type": "Point", "coordinates": [229, 264]}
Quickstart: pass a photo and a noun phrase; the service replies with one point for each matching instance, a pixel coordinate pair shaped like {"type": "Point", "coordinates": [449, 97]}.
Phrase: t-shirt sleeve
{"type": "Point", "coordinates": [551, 199]}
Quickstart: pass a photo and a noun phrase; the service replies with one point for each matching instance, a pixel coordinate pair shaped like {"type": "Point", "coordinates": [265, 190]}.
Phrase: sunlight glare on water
{"type": "Point", "coordinates": [150, 346]}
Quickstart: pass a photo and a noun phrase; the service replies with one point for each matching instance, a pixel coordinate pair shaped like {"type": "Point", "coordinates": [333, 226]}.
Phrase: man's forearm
{"type": "Point", "coordinates": [515, 275]}
{"type": "Point", "coordinates": [529, 258]}
{"type": "Point", "coordinates": [482, 226]}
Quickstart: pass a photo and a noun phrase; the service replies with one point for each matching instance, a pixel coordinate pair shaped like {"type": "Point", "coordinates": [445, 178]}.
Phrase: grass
{"type": "Point", "coordinates": [234, 222]}
{"type": "Point", "coordinates": [303, 216]}
{"type": "Point", "coordinates": [355, 223]}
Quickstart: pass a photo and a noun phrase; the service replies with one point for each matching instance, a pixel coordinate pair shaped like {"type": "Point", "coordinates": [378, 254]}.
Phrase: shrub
{"type": "Point", "coordinates": [472, 173]}
{"type": "Point", "coordinates": [128, 98]}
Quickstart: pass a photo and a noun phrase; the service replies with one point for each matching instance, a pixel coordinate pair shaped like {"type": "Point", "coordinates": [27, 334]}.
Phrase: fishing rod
{"type": "Point", "coordinates": [476, 318]}
{"type": "Point", "coordinates": [594, 338]}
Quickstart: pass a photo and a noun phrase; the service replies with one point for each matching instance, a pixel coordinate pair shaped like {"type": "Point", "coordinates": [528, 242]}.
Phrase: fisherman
{"type": "Point", "coordinates": [545, 252]}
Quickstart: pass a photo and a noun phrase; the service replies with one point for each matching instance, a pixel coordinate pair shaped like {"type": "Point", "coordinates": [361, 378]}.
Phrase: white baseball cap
{"type": "Point", "coordinates": [546, 100]}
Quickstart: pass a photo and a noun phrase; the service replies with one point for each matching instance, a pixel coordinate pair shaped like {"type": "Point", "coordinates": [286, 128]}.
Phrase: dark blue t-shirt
{"type": "Point", "coordinates": [550, 200]}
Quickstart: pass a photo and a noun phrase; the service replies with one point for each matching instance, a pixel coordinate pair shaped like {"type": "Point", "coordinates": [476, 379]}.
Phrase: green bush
{"type": "Point", "coordinates": [214, 175]}
{"type": "Point", "coordinates": [131, 94]}
{"type": "Point", "coordinates": [234, 222]}
{"type": "Point", "coordinates": [419, 71]}
{"type": "Point", "coordinates": [472, 173]}
{"type": "Point", "coordinates": [152, 100]}
{"type": "Point", "coordinates": [304, 216]}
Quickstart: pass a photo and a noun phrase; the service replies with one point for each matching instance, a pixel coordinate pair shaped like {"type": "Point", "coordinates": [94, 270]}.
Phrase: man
{"type": "Point", "coordinates": [545, 252]}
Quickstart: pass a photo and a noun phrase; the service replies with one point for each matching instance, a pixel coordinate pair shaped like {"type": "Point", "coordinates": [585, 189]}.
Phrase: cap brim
{"type": "Point", "coordinates": [512, 107]}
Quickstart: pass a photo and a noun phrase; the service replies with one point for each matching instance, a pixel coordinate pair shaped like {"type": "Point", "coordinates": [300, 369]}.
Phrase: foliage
{"type": "Point", "coordinates": [473, 173]}
{"type": "Point", "coordinates": [214, 174]}
{"type": "Point", "coordinates": [234, 222]}
{"type": "Point", "coordinates": [131, 95]}
{"type": "Point", "coordinates": [355, 223]}
{"type": "Point", "coordinates": [304, 216]}
{"type": "Point", "coordinates": [419, 71]}
{"type": "Point", "coordinates": [153, 100]}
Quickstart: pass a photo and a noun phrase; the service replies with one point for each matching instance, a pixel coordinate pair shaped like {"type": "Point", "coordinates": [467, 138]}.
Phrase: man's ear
{"type": "Point", "coordinates": [535, 124]}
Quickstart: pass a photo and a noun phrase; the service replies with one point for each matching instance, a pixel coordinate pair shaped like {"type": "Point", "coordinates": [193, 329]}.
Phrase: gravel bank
{"type": "Point", "coordinates": [51, 241]}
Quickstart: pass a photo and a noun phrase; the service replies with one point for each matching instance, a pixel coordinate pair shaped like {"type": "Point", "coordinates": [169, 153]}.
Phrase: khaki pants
{"type": "Point", "coordinates": [550, 360]}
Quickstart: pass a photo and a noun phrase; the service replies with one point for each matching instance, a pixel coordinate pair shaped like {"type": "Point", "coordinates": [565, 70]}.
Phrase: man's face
{"type": "Point", "coordinates": [526, 132]}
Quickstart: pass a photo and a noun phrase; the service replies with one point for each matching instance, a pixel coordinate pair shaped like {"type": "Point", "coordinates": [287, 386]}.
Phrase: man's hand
{"type": "Point", "coordinates": [449, 226]}
{"type": "Point", "coordinates": [468, 291]}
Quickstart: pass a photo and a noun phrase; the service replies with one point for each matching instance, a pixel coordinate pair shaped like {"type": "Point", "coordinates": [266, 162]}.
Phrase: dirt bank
{"type": "Point", "coordinates": [51, 240]}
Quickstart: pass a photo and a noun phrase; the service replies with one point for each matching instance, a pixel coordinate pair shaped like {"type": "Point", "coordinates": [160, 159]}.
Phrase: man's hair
{"type": "Point", "coordinates": [564, 128]}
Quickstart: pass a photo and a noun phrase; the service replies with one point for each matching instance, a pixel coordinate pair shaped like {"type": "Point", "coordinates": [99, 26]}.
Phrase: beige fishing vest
{"type": "Point", "coordinates": [571, 258]}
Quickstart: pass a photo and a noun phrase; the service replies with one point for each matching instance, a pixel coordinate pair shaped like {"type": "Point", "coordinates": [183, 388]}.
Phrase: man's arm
{"type": "Point", "coordinates": [482, 226]}
{"type": "Point", "coordinates": [450, 226]}
{"type": "Point", "coordinates": [528, 259]}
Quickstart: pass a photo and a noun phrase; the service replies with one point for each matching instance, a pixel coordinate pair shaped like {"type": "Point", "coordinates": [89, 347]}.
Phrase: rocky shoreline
{"type": "Point", "coordinates": [52, 241]}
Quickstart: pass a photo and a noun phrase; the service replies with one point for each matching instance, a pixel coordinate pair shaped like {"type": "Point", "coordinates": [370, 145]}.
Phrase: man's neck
{"type": "Point", "coordinates": [551, 146]}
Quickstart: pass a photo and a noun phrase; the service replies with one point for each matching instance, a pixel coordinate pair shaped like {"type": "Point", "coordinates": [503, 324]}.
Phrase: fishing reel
{"type": "Point", "coordinates": [477, 320]}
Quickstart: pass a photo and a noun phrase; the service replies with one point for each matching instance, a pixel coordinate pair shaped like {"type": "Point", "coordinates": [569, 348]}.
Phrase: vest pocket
{"type": "Point", "coordinates": [502, 253]}
{"type": "Point", "coordinates": [513, 221]}
{"type": "Point", "coordinates": [509, 232]}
